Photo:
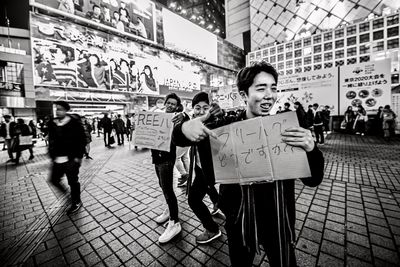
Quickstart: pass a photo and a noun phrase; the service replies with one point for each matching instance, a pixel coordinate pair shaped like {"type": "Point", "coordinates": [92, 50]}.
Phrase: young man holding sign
{"type": "Point", "coordinates": [258, 213]}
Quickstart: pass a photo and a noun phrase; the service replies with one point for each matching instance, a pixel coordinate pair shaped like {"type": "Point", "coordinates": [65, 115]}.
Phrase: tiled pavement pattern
{"type": "Point", "coordinates": [351, 219]}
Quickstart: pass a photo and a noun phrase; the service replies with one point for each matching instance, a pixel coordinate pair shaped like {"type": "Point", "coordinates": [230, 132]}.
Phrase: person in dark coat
{"type": "Point", "coordinates": [318, 124]}
{"type": "Point", "coordinates": [272, 216]}
{"type": "Point", "coordinates": [67, 143]}
{"type": "Point", "coordinates": [128, 128]}
{"type": "Point", "coordinates": [286, 107]}
{"type": "Point", "coordinates": [33, 128]}
{"type": "Point", "coordinates": [310, 117]}
{"type": "Point", "coordinates": [21, 129]}
{"type": "Point", "coordinates": [87, 127]}
{"type": "Point", "coordinates": [301, 114]}
{"type": "Point", "coordinates": [8, 133]}
{"type": "Point", "coordinates": [119, 126]}
{"type": "Point", "coordinates": [106, 124]}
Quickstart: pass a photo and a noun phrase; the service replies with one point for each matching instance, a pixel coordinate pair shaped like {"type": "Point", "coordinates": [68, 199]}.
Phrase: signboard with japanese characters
{"type": "Point", "coordinates": [228, 97]}
{"type": "Point", "coordinates": [366, 84]}
{"type": "Point", "coordinates": [153, 130]}
{"type": "Point", "coordinates": [253, 151]}
{"type": "Point", "coordinates": [319, 86]}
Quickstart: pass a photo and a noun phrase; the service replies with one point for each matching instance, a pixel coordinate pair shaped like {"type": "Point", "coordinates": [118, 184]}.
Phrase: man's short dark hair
{"type": "Point", "coordinates": [64, 104]}
{"type": "Point", "coordinates": [200, 97]}
{"type": "Point", "coordinates": [173, 96]}
{"type": "Point", "coordinates": [94, 6]}
{"type": "Point", "coordinates": [245, 77]}
{"type": "Point", "coordinates": [7, 117]}
{"type": "Point", "coordinates": [315, 105]}
{"type": "Point", "coordinates": [287, 104]}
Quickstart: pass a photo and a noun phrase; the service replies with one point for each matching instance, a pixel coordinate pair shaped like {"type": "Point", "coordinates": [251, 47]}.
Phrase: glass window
{"type": "Point", "coordinates": [317, 58]}
{"type": "Point", "coordinates": [327, 36]}
{"type": "Point", "coordinates": [258, 54]}
{"type": "Point", "coordinates": [364, 59]}
{"type": "Point", "coordinates": [378, 46]}
{"type": "Point", "coordinates": [339, 33]}
{"type": "Point", "coordinates": [328, 56]}
{"type": "Point", "coordinates": [251, 56]}
{"type": "Point", "coordinates": [328, 46]}
{"type": "Point", "coordinates": [351, 61]}
{"type": "Point", "coordinates": [339, 44]}
{"type": "Point", "coordinates": [394, 31]}
{"type": "Point", "coordinates": [364, 27]}
{"type": "Point", "coordinates": [308, 68]}
{"type": "Point", "coordinates": [11, 72]}
{"type": "Point", "coordinates": [288, 72]}
{"type": "Point", "coordinates": [339, 63]}
{"type": "Point", "coordinates": [364, 38]}
{"type": "Point", "coordinates": [378, 23]}
{"type": "Point", "coordinates": [280, 57]}
{"type": "Point", "coordinates": [339, 54]}
{"type": "Point", "coordinates": [281, 66]}
{"type": "Point", "coordinates": [297, 44]}
{"type": "Point", "coordinates": [280, 49]}
{"type": "Point", "coordinates": [298, 70]}
{"type": "Point", "coordinates": [351, 51]}
{"type": "Point", "coordinates": [289, 64]}
{"type": "Point", "coordinates": [265, 52]}
{"type": "Point", "coordinates": [297, 53]}
{"type": "Point", "coordinates": [364, 49]}
{"type": "Point", "coordinates": [317, 67]}
{"type": "Point", "coordinates": [351, 41]}
{"type": "Point", "coordinates": [307, 41]}
{"type": "Point", "coordinates": [317, 49]}
{"type": "Point", "coordinates": [378, 35]}
{"type": "Point", "coordinates": [281, 72]}
{"type": "Point", "coordinates": [272, 59]}
{"type": "Point", "coordinates": [394, 43]}
{"type": "Point", "coordinates": [272, 51]}
{"type": "Point", "coordinates": [328, 65]}
{"type": "Point", "coordinates": [307, 60]}
{"type": "Point", "coordinates": [317, 39]}
{"type": "Point", "coordinates": [289, 55]}
{"type": "Point", "coordinates": [289, 46]}
{"type": "Point", "coordinates": [351, 30]}
{"type": "Point", "coordinates": [298, 62]}
{"type": "Point", "coordinates": [391, 20]}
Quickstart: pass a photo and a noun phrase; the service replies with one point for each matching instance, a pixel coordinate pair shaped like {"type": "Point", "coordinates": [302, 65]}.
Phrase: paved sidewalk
{"type": "Point", "coordinates": [351, 219]}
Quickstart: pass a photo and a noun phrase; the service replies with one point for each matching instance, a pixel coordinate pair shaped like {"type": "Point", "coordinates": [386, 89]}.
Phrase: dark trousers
{"type": "Point", "coordinates": [71, 170]}
{"type": "Point", "coordinates": [240, 256]}
{"type": "Point", "coordinates": [106, 137]}
{"type": "Point", "coordinates": [165, 174]}
{"type": "Point", "coordinates": [197, 192]}
{"type": "Point", "coordinates": [19, 152]}
{"type": "Point", "coordinates": [9, 144]}
{"type": "Point", "coordinates": [213, 194]}
{"type": "Point", "coordinates": [129, 134]}
{"type": "Point", "coordinates": [319, 133]}
{"type": "Point", "coordinates": [120, 138]}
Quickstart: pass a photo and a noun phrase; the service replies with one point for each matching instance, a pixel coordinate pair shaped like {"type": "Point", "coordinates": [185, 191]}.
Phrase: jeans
{"type": "Point", "coordinates": [120, 138]}
{"type": "Point", "coordinates": [197, 192]}
{"type": "Point", "coordinates": [319, 134]}
{"type": "Point", "coordinates": [165, 176]}
{"type": "Point", "coordinates": [71, 170]}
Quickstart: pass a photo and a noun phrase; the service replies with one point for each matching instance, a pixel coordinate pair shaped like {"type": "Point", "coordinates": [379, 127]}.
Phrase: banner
{"type": "Point", "coordinates": [154, 130]}
{"type": "Point", "coordinates": [135, 17]}
{"type": "Point", "coordinates": [319, 86]}
{"type": "Point", "coordinates": [366, 84]}
{"type": "Point", "coordinates": [253, 151]}
{"type": "Point", "coordinates": [228, 97]}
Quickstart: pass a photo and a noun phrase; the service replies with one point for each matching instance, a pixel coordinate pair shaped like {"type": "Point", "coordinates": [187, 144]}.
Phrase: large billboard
{"type": "Point", "coordinates": [319, 86]}
{"type": "Point", "coordinates": [135, 17]}
{"type": "Point", "coordinates": [366, 84]}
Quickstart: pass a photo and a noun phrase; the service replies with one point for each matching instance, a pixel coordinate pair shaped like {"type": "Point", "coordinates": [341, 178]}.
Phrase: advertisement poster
{"type": "Point", "coordinates": [227, 97]}
{"type": "Point", "coordinates": [135, 17]}
{"type": "Point", "coordinates": [319, 86]}
{"type": "Point", "coordinates": [366, 84]}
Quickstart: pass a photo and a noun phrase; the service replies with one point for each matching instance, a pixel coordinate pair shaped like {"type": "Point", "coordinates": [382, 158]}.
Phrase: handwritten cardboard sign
{"type": "Point", "coordinates": [154, 130]}
{"type": "Point", "coordinates": [253, 151]}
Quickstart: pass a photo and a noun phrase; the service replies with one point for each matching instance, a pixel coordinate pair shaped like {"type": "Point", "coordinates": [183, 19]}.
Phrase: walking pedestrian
{"type": "Point", "coordinates": [106, 124]}
{"type": "Point", "coordinates": [318, 125]}
{"type": "Point", "coordinates": [119, 126]}
{"type": "Point", "coordinates": [301, 114]}
{"type": "Point", "coordinates": [23, 130]}
{"type": "Point", "coordinates": [87, 128]}
{"type": "Point", "coordinates": [360, 120]}
{"type": "Point", "coordinates": [7, 131]}
{"type": "Point", "coordinates": [128, 128]}
{"type": "Point", "coordinates": [349, 118]}
{"type": "Point", "coordinates": [389, 122]}
{"type": "Point", "coordinates": [271, 219]}
{"type": "Point", "coordinates": [67, 142]}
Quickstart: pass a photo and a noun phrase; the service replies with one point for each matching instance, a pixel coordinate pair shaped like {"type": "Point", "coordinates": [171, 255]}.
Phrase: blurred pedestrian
{"type": "Point", "coordinates": [106, 124]}
{"type": "Point", "coordinates": [348, 121]}
{"type": "Point", "coordinates": [310, 117]}
{"type": "Point", "coordinates": [301, 115]}
{"type": "Point", "coordinates": [88, 136]}
{"type": "Point", "coordinates": [318, 125]}
{"type": "Point", "coordinates": [389, 122]}
{"type": "Point", "coordinates": [279, 110]}
{"type": "Point", "coordinates": [286, 107]}
{"type": "Point", "coordinates": [23, 140]}
{"type": "Point", "coordinates": [128, 128]}
{"type": "Point", "coordinates": [379, 122]}
{"type": "Point", "coordinates": [360, 120]}
{"type": "Point", "coordinates": [119, 126]}
{"type": "Point", "coordinates": [33, 128]}
{"type": "Point", "coordinates": [67, 143]}
{"type": "Point", "coordinates": [326, 116]}
{"type": "Point", "coordinates": [7, 131]}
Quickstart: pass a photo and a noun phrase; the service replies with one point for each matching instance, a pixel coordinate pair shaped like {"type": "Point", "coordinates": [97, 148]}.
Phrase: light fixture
{"type": "Point", "coordinates": [184, 11]}
{"type": "Point", "coordinates": [172, 5]}
{"type": "Point", "coordinates": [193, 17]}
{"type": "Point", "coordinates": [202, 22]}
{"type": "Point", "coordinates": [210, 26]}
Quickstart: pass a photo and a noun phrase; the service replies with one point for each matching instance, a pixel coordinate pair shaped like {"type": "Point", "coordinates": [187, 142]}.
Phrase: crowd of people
{"type": "Point", "coordinates": [256, 214]}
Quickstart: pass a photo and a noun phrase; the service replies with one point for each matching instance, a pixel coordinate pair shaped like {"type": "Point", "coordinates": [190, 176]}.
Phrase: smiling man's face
{"type": "Point", "coordinates": [261, 96]}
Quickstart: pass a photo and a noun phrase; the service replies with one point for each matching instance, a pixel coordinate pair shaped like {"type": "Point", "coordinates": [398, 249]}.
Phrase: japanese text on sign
{"type": "Point", "coordinates": [154, 130]}
{"type": "Point", "coordinates": [252, 151]}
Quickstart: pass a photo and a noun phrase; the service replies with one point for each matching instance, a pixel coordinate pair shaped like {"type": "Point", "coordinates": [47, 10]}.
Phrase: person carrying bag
{"type": "Point", "coordinates": [24, 140]}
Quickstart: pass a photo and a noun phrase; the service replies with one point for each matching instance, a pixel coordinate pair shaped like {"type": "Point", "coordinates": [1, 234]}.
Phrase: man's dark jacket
{"type": "Point", "coordinates": [3, 130]}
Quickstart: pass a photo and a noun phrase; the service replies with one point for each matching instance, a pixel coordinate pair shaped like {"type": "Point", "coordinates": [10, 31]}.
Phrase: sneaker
{"type": "Point", "coordinates": [74, 207]}
{"type": "Point", "coordinates": [172, 230]}
{"type": "Point", "coordinates": [163, 217]}
{"type": "Point", "coordinates": [207, 237]}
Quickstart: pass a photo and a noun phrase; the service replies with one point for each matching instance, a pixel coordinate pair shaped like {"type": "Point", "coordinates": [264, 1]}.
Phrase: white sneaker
{"type": "Point", "coordinates": [163, 217]}
{"type": "Point", "coordinates": [172, 230]}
